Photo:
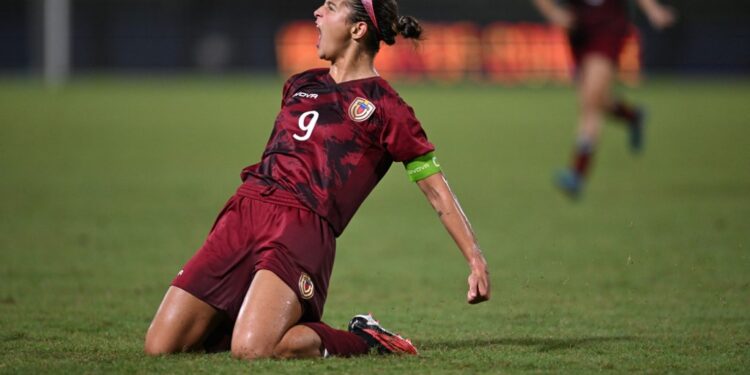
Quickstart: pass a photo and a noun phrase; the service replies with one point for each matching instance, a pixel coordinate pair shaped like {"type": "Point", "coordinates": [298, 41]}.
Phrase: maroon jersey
{"type": "Point", "coordinates": [600, 28]}
{"type": "Point", "coordinates": [600, 15]}
{"type": "Point", "coordinates": [333, 142]}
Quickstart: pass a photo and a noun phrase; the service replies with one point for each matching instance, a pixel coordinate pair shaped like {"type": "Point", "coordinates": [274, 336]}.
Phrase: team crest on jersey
{"type": "Point", "coordinates": [361, 109]}
{"type": "Point", "coordinates": [306, 287]}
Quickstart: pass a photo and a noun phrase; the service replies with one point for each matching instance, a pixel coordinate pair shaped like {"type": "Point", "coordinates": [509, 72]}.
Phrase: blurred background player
{"type": "Point", "coordinates": [597, 30]}
{"type": "Point", "coordinates": [265, 266]}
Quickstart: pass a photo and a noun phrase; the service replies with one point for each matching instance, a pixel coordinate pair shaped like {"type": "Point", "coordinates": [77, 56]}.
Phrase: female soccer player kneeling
{"type": "Point", "coordinates": [259, 282]}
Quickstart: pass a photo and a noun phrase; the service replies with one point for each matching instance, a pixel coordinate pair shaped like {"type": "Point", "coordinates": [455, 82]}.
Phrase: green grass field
{"type": "Point", "coordinates": [109, 186]}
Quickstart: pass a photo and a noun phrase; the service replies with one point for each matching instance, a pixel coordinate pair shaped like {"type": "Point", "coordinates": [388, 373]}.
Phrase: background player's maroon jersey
{"type": "Point", "coordinates": [600, 14]}
{"type": "Point", "coordinates": [601, 27]}
{"type": "Point", "coordinates": [332, 142]}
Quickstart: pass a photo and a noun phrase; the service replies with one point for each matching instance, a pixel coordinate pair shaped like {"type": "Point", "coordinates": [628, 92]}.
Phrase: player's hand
{"type": "Point", "coordinates": [479, 283]}
{"type": "Point", "coordinates": [563, 18]}
{"type": "Point", "coordinates": [661, 17]}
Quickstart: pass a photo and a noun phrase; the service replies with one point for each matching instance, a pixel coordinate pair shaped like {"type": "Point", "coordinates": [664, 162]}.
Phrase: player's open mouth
{"type": "Point", "coordinates": [320, 35]}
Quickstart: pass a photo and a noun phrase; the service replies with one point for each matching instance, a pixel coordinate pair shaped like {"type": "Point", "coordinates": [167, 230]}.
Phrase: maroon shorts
{"type": "Point", "coordinates": [262, 229]}
{"type": "Point", "coordinates": [607, 41]}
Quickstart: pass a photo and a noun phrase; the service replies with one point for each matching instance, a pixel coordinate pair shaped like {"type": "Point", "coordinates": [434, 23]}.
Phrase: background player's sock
{"type": "Point", "coordinates": [582, 156]}
{"type": "Point", "coordinates": [624, 111]}
{"type": "Point", "coordinates": [337, 342]}
{"type": "Point", "coordinates": [570, 181]}
{"type": "Point", "coordinates": [634, 119]}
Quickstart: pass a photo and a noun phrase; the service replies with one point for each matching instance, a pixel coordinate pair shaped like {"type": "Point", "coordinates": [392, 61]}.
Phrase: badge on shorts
{"type": "Point", "coordinates": [306, 287]}
{"type": "Point", "coordinates": [361, 109]}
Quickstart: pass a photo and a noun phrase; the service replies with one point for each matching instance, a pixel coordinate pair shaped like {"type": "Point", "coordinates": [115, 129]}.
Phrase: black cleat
{"type": "Point", "coordinates": [378, 338]}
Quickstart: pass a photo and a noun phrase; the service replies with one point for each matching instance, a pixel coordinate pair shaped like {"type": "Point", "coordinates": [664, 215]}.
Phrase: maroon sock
{"type": "Point", "coordinates": [582, 158]}
{"type": "Point", "coordinates": [338, 342]}
{"type": "Point", "coordinates": [623, 111]}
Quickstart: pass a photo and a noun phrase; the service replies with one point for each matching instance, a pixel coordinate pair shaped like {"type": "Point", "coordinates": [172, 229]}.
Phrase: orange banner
{"type": "Point", "coordinates": [500, 52]}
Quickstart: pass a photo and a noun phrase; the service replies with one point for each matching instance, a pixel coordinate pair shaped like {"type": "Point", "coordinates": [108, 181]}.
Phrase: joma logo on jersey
{"type": "Point", "coordinates": [361, 109]}
{"type": "Point", "coordinates": [301, 94]}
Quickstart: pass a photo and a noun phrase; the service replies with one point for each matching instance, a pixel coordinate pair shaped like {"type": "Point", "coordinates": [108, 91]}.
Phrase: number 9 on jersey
{"type": "Point", "coordinates": [307, 127]}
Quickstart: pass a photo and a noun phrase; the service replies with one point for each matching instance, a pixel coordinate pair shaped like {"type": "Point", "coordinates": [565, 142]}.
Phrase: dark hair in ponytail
{"type": "Point", "coordinates": [390, 24]}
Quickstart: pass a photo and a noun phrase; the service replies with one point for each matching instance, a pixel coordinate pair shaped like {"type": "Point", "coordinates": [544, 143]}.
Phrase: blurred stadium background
{"type": "Point", "coordinates": [124, 125]}
{"type": "Point", "coordinates": [476, 38]}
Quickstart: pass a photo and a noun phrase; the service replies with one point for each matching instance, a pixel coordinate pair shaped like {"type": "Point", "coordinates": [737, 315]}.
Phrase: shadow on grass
{"type": "Point", "coordinates": [544, 344]}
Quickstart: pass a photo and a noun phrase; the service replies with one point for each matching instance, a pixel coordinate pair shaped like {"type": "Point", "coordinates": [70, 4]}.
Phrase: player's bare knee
{"type": "Point", "coordinates": [158, 343]}
{"type": "Point", "coordinates": [251, 352]}
{"type": "Point", "coordinates": [155, 347]}
{"type": "Point", "coordinates": [250, 355]}
{"type": "Point", "coordinates": [155, 351]}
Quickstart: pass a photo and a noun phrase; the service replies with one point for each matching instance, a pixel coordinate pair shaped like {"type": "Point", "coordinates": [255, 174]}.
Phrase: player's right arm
{"type": "Point", "coordinates": [659, 15]}
{"type": "Point", "coordinates": [555, 14]}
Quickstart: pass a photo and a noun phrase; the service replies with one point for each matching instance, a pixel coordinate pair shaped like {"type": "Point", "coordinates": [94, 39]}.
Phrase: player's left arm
{"type": "Point", "coordinates": [435, 187]}
{"type": "Point", "coordinates": [555, 13]}
{"type": "Point", "coordinates": [659, 15]}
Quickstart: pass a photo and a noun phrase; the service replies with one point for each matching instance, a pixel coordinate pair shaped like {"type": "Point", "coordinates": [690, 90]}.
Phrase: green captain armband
{"type": "Point", "coordinates": [422, 167]}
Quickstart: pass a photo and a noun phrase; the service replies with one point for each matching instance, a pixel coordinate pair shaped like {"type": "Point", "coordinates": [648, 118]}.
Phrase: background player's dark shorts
{"type": "Point", "coordinates": [605, 40]}
{"type": "Point", "coordinates": [262, 228]}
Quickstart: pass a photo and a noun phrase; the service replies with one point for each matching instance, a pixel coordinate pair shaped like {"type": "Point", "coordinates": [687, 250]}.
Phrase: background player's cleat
{"type": "Point", "coordinates": [636, 130]}
{"type": "Point", "coordinates": [569, 182]}
{"type": "Point", "coordinates": [377, 337]}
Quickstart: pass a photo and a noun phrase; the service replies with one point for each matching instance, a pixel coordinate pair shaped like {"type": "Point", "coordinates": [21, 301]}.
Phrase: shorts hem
{"type": "Point", "coordinates": [208, 301]}
{"type": "Point", "coordinates": [308, 313]}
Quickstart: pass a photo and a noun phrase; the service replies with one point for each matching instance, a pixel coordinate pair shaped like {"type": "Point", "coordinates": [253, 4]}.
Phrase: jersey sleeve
{"type": "Point", "coordinates": [403, 136]}
{"type": "Point", "coordinates": [289, 87]}
{"type": "Point", "coordinates": [285, 91]}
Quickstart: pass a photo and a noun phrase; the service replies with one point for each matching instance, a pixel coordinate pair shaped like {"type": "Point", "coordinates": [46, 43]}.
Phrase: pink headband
{"type": "Point", "coordinates": [371, 13]}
